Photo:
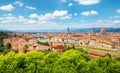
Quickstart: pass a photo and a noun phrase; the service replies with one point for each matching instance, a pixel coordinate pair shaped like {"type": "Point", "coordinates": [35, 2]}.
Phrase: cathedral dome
{"type": "Point", "coordinates": [102, 30]}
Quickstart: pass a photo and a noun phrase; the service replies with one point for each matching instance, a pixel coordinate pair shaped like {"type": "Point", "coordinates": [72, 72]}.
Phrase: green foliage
{"type": "Point", "coordinates": [5, 49]}
{"type": "Point", "coordinates": [8, 46]}
{"type": "Point", "coordinates": [71, 61]}
{"type": "Point", "coordinates": [25, 48]}
{"type": "Point", "coordinates": [3, 35]}
{"type": "Point", "coordinates": [70, 47]}
{"type": "Point", "coordinates": [1, 44]}
{"type": "Point", "coordinates": [73, 46]}
{"type": "Point", "coordinates": [43, 43]}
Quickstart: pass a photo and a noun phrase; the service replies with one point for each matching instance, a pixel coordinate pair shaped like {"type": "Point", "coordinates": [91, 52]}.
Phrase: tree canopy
{"type": "Point", "coordinates": [71, 61]}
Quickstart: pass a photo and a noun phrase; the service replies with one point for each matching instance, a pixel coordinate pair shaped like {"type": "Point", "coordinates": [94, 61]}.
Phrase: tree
{"type": "Point", "coordinates": [8, 46]}
{"type": "Point", "coordinates": [1, 42]}
{"type": "Point", "coordinates": [73, 46]}
{"type": "Point", "coordinates": [71, 61]}
{"type": "Point", "coordinates": [114, 67]}
{"type": "Point", "coordinates": [68, 48]}
{"type": "Point", "coordinates": [25, 48]}
{"type": "Point", "coordinates": [43, 43]}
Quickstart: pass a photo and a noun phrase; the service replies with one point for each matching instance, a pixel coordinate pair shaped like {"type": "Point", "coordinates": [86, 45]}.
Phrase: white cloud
{"type": "Point", "coordinates": [88, 2]}
{"type": "Point", "coordinates": [11, 22]}
{"type": "Point", "coordinates": [8, 7]}
{"type": "Point", "coordinates": [92, 12]}
{"type": "Point", "coordinates": [70, 4]}
{"type": "Point", "coordinates": [99, 21]}
{"type": "Point", "coordinates": [8, 19]}
{"type": "Point", "coordinates": [31, 8]}
{"type": "Point", "coordinates": [34, 15]}
{"type": "Point", "coordinates": [18, 3]}
{"type": "Point", "coordinates": [62, 14]}
{"type": "Point", "coordinates": [47, 16]}
{"type": "Point", "coordinates": [64, 0]}
{"type": "Point", "coordinates": [31, 21]}
{"type": "Point", "coordinates": [1, 18]}
{"type": "Point", "coordinates": [9, 14]}
{"type": "Point", "coordinates": [21, 19]}
{"type": "Point", "coordinates": [11, 19]}
{"type": "Point", "coordinates": [65, 17]}
{"type": "Point", "coordinates": [34, 18]}
{"type": "Point", "coordinates": [82, 21]}
{"type": "Point", "coordinates": [114, 17]}
{"type": "Point", "coordinates": [116, 22]}
{"type": "Point", "coordinates": [75, 14]}
{"type": "Point", "coordinates": [87, 13]}
{"type": "Point", "coordinates": [34, 21]}
{"type": "Point", "coordinates": [118, 11]}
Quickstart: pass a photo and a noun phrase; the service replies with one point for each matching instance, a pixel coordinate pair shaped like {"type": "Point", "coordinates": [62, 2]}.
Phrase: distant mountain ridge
{"type": "Point", "coordinates": [96, 30]}
{"type": "Point", "coordinates": [65, 30]}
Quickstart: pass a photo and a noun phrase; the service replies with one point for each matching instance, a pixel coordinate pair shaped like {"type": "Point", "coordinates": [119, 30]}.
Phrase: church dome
{"type": "Point", "coordinates": [102, 30]}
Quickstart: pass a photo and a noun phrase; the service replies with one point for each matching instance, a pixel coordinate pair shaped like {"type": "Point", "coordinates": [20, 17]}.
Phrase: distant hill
{"type": "Point", "coordinates": [65, 30]}
{"type": "Point", "coordinates": [96, 30]}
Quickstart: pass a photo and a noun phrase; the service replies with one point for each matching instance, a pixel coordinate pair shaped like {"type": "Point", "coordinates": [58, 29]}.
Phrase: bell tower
{"type": "Point", "coordinates": [68, 30]}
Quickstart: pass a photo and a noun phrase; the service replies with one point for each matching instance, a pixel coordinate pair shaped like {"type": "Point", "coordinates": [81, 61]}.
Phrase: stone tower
{"type": "Point", "coordinates": [68, 30]}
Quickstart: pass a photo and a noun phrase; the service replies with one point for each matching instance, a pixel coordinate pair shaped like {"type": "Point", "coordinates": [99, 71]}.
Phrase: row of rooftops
{"type": "Point", "coordinates": [18, 43]}
{"type": "Point", "coordinates": [107, 38]}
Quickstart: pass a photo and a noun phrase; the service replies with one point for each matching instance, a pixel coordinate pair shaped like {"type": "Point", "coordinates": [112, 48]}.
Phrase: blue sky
{"type": "Point", "coordinates": [58, 14]}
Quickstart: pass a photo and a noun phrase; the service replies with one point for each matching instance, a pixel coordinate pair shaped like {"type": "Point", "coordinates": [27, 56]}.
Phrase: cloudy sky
{"type": "Point", "coordinates": [58, 14]}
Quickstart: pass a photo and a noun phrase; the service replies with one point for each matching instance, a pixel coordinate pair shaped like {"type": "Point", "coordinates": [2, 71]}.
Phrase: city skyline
{"type": "Point", "coordinates": [58, 14]}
